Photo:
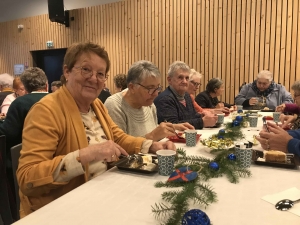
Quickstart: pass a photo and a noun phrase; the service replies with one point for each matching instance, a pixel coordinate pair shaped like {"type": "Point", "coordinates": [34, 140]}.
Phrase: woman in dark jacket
{"type": "Point", "coordinates": [209, 97]}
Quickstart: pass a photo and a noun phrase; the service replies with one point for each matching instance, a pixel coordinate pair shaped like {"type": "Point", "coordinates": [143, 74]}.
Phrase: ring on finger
{"type": "Point", "coordinates": [268, 147]}
{"type": "Point", "coordinates": [113, 156]}
{"type": "Point", "coordinates": [267, 142]}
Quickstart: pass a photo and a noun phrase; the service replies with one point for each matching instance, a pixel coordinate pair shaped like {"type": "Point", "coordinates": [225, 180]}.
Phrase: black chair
{"type": "Point", "coordinates": [5, 196]}
{"type": "Point", "coordinates": [15, 155]}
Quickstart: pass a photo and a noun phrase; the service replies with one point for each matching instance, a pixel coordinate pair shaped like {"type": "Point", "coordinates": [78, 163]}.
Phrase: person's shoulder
{"type": "Point", "coordinates": [114, 99]}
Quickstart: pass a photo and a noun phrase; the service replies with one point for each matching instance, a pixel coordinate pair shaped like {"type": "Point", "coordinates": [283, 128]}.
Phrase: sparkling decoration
{"type": "Point", "coordinates": [216, 142]}
{"type": "Point", "coordinates": [231, 157]}
{"type": "Point", "coordinates": [222, 131]}
{"type": "Point", "coordinates": [239, 118]}
{"type": "Point", "coordinates": [195, 217]}
{"type": "Point", "coordinates": [214, 165]}
{"type": "Point", "coordinates": [240, 111]}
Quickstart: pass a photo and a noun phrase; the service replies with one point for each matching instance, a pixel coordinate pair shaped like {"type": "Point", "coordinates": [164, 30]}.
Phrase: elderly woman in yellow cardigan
{"type": "Point", "coordinates": [68, 136]}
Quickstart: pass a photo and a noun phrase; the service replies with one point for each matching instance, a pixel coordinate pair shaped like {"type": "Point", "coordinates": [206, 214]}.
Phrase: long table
{"type": "Point", "coordinates": [117, 197]}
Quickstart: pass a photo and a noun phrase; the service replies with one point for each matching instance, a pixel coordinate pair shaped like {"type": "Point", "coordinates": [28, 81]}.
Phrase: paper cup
{"type": "Point", "coordinates": [166, 159]}
{"type": "Point", "coordinates": [276, 116]}
{"type": "Point", "coordinates": [244, 156]}
{"type": "Point", "coordinates": [220, 118]}
{"type": "Point", "coordinates": [239, 107]}
{"type": "Point", "coordinates": [253, 121]}
{"type": "Point", "coordinates": [190, 137]}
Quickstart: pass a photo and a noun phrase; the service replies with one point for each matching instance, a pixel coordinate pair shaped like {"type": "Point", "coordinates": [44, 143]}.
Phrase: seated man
{"type": "Point", "coordinates": [175, 105]}
{"type": "Point", "coordinates": [36, 84]}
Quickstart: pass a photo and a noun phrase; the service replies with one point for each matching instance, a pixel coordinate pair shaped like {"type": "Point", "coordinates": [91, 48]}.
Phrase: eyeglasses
{"type": "Point", "coordinates": [151, 91]}
{"type": "Point", "coordinates": [88, 73]}
{"type": "Point", "coordinates": [195, 83]}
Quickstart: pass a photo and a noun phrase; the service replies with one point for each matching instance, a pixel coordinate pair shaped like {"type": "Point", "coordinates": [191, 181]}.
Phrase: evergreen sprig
{"type": "Point", "coordinates": [202, 194]}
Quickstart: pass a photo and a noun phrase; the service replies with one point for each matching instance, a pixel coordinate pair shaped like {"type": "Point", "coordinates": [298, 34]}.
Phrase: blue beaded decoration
{"type": "Point", "coordinates": [235, 123]}
{"type": "Point", "coordinates": [195, 217]}
{"type": "Point", "coordinates": [231, 157]}
{"type": "Point", "coordinates": [214, 165]}
{"type": "Point", "coordinates": [240, 111]}
{"type": "Point", "coordinates": [239, 118]}
{"type": "Point", "coordinates": [222, 131]}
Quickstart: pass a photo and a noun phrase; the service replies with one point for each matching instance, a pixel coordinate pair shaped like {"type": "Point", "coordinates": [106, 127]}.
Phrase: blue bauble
{"type": "Point", "coordinates": [235, 123]}
{"type": "Point", "coordinates": [214, 165]}
{"type": "Point", "coordinates": [231, 157]}
{"type": "Point", "coordinates": [222, 131]}
{"type": "Point", "coordinates": [240, 111]}
{"type": "Point", "coordinates": [221, 137]}
{"type": "Point", "coordinates": [239, 118]}
{"type": "Point", "coordinates": [195, 217]}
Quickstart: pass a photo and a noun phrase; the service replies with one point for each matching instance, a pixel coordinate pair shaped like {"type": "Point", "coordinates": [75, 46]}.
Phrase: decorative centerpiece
{"type": "Point", "coordinates": [186, 187]}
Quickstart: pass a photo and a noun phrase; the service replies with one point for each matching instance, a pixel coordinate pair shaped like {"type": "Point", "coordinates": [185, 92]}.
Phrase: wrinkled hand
{"type": "Point", "coordinates": [253, 101]}
{"type": "Point", "coordinates": [220, 105]}
{"type": "Point", "coordinates": [225, 110]}
{"type": "Point", "coordinates": [108, 151]}
{"type": "Point", "coordinates": [277, 139]}
{"type": "Point", "coordinates": [163, 130]}
{"type": "Point", "coordinates": [209, 120]}
{"type": "Point", "coordinates": [183, 126]}
{"type": "Point", "coordinates": [280, 108]}
{"type": "Point", "coordinates": [286, 120]}
{"type": "Point", "coordinates": [162, 145]}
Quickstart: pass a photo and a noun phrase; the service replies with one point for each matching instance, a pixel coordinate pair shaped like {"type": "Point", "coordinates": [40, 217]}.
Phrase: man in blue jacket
{"type": "Point", "coordinates": [175, 105]}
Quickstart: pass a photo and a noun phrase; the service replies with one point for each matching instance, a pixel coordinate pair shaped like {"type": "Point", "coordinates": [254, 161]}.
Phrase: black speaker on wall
{"type": "Point", "coordinates": [56, 10]}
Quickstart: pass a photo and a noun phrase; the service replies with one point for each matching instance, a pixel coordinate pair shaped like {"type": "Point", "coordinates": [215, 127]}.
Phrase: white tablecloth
{"type": "Point", "coordinates": [119, 197]}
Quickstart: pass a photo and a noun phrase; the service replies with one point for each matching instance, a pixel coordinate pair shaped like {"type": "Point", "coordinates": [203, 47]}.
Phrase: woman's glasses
{"type": "Point", "coordinates": [151, 91]}
{"type": "Point", "coordinates": [195, 83]}
{"type": "Point", "coordinates": [88, 73]}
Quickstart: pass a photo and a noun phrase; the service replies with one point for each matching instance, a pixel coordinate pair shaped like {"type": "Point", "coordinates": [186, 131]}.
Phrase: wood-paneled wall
{"type": "Point", "coordinates": [230, 39]}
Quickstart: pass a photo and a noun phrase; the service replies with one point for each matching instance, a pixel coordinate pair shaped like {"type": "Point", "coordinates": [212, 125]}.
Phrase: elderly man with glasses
{"type": "Point", "coordinates": [133, 109]}
{"type": "Point", "coordinates": [175, 104]}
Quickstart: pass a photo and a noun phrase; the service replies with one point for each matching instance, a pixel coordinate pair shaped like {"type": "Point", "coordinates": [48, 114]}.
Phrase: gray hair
{"type": "Point", "coordinates": [195, 74]}
{"type": "Point", "coordinates": [6, 80]}
{"type": "Point", "coordinates": [140, 70]}
{"type": "Point", "coordinates": [296, 86]}
{"type": "Point", "coordinates": [265, 74]}
{"type": "Point", "coordinates": [214, 83]}
{"type": "Point", "coordinates": [177, 65]}
{"type": "Point", "coordinates": [56, 83]}
{"type": "Point", "coordinates": [34, 79]}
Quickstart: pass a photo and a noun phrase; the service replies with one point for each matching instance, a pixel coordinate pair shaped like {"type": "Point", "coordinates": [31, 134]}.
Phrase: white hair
{"type": "Point", "coordinates": [177, 65]}
{"type": "Point", "coordinates": [265, 74]}
{"type": "Point", "coordinates": [6, 80]}
{"type": "Point", "coordinates": [195, 74]}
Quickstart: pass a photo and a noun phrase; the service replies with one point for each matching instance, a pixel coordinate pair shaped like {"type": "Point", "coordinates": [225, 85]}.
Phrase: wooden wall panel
{"type": "Point", "coordinates": [229, 39]}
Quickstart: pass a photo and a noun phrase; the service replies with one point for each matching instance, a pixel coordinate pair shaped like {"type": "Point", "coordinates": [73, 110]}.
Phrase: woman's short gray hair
{"type": "Point", "coordinates": [177, 65]}
{"type": "Point", "coordinates": [296, 86]}
{"type": "Point", "coordinates": [214, 83]}
{"type": "Point", "coordinates": [34, 79]}
{"type": "Point", "coordinates": [140, 70]}
{"type": "Point", "coordinates": [6, 80]}
{"type": "Point", "coordinates": [265, 74]}
{"type": "Point", "coordinates": [194, 74]}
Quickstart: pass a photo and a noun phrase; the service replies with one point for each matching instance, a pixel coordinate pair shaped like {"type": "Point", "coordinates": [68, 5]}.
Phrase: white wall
{"type": "Point", "coordinates": [16, 9]}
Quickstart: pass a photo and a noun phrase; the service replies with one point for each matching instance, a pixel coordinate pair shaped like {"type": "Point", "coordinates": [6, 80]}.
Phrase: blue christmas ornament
{"type": "Point", "coordinates": [214, 165]}
{"type": "Point", "coordinates": [222, 131]}
{"type": "Point", "coordinates": [231, 157]}
{"type": "Point", "coordinates": [235, 123]}
{"type": "Point", "coordinates": [195, 217]}
{"type": "Point", "coordinates": [221, 137]}
{"type": "Point", "coordinates": [183, 174]}
{"type": "Point", "coordinates": [240, 111]}
{"type": "Point", "coordinates": [239, 118]}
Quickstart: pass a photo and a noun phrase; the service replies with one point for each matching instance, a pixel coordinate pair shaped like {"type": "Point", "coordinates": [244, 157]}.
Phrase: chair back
{"type": "Point", "coordinates": [5, 211]}
{"type": "Point", "coordinates": [15, 155]}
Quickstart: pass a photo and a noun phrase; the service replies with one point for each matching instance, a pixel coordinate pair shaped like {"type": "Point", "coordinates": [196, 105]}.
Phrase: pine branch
{"type": "Point", "coordinates": [162, 210]}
